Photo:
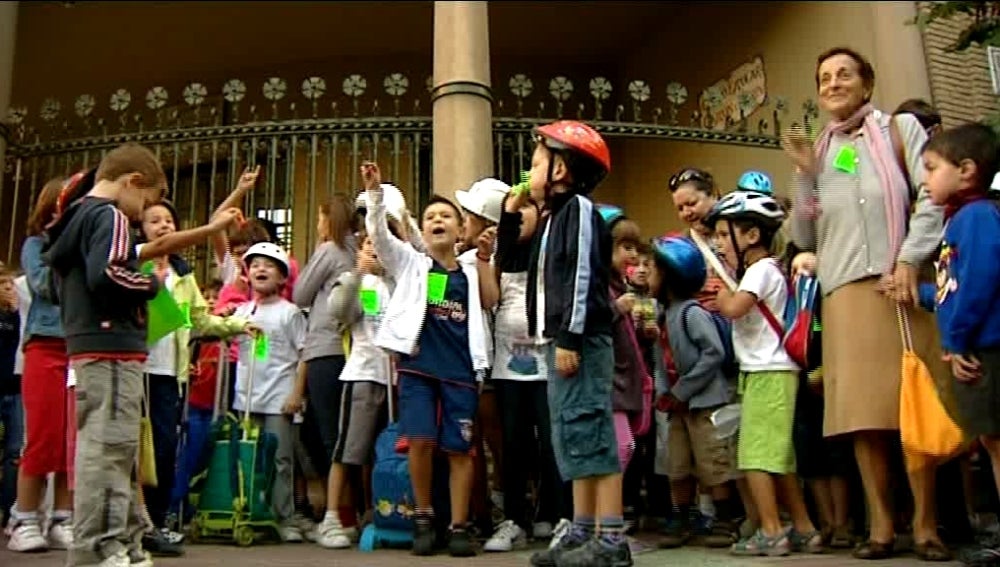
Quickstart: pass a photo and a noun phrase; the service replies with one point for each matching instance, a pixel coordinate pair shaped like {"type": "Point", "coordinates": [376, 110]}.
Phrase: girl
{"type": "Point", "coordinates": [167, 366]}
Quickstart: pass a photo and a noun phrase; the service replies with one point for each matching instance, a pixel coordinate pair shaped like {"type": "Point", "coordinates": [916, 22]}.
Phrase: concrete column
{"type": "Point", "coordinates": [463, 112]}
{"type": "Point", "coordinates": [899, 59]}
{"type": "Point", "coordinates": [8, 34]}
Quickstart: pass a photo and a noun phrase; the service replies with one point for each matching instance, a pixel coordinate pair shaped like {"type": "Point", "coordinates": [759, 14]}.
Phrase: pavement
{"type": "Point", "coordinates": [306, 554]}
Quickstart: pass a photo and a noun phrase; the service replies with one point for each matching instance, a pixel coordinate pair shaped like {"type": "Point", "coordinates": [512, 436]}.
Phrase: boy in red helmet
{"type": "Point", "coordinates": [569, 309]}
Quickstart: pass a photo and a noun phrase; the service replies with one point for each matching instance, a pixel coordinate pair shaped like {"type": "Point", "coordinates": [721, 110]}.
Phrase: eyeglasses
{"type": "Point", "coordinates": [686, 175]}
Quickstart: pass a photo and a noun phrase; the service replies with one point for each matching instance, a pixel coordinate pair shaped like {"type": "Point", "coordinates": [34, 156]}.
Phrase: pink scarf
{"type": "Point", "coordinates": [892, 180]}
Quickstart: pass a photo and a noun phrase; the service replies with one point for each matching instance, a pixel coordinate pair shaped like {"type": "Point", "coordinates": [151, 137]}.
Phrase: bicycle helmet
{"type": "Point", "coordinates": [755, 181]}
{"type": "Point", "coordinates": [268, 250]}
{"type": "Point", "coordinates": [610, 213]}
{"type": "Point", "coordinates": [577, 138]}
{"type": "Point", "coordinates": [392, 198]}
{"type": "Point", "coordinates": [747, 205]}
{"type": "Point", "coordinates": [683, 260]}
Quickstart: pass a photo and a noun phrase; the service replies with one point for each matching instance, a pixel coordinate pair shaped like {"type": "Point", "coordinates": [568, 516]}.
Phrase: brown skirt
{"type": "Point", "coordinates": [862, 351]}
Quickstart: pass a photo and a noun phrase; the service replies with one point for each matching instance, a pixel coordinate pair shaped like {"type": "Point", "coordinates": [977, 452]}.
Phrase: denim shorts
{"type": "Point", "coordinates": [583, 427]}
{"type": "Point", "coordinates": [438, 410]}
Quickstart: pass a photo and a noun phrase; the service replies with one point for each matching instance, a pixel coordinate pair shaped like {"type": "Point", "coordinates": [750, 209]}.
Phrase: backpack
{"type": "Point", "coordinates": [730, 366]}
{"type": "Point", "coordinates": [797, 329]}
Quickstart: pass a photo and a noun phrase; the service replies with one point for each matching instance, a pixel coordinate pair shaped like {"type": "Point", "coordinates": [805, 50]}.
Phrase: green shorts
{"type": "Point", "coordinates": [765, 439]}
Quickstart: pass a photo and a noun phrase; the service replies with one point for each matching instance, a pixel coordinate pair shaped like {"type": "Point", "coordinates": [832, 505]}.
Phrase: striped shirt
{"type": "Point", "coordinates": [851, 237]}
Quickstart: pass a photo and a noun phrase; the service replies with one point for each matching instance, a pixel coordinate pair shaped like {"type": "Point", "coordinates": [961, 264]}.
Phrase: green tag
{"type": "Point", "coordinates": [260, 347]}
{"type": "Point", "coordinates": [847, 159]}
{"type": "Point", "coordinates": [186, 313]}
{"type": "Point", "coordinates": [369, 301]}
{"type": "Point", "coordinates": [436, 284]}
{"type": "Point", "coordinates": [817, 326]}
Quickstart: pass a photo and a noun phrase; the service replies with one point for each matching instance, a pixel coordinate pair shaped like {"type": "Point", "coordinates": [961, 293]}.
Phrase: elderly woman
{"type": "Point", "coordinates": [852, 204]}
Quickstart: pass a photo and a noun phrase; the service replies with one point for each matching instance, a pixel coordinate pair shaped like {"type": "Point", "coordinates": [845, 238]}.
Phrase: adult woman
{"type": "Point", "coordinates": [695, 193]}
{"type": "Point", "coordinates": [44, 394]}
{"type": "Point", "coordinates": [852, 199]}
{"type": "Point", "coordinates": [324, 349]}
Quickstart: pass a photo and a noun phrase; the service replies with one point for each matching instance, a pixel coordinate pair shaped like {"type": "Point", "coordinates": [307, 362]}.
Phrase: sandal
{"type": "Point", "coordinates": [808, 542]}
{"type": "Point", "coordinates": [841, 538]}
{"type": "Point", "coordinates": [759, 545]}
{"type": "Point", "coordinates": [932, 550]}
{"type": "Point", "coordinates": [874, 550]}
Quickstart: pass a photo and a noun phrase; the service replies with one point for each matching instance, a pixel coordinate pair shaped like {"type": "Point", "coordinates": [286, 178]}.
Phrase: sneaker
{"type": "Point", "coordinates": [541, 530]}
{"type": "Point", "coordinates": [759, 545]}
{"type": "Point", "coordinates": [561, 531]}
{"type": "Point", "coordinates": [171, 536]}
{"type": "Point", "coordinates": [598, 552]}
{"type": "Point", "coordinates": [563, 542]}
{"type": "Point", "coordinates": [423, 537]}
{"type": "Point", "coordinates": [980, 557]}
{"type": "Point", "coordinates": [460, 543]}
{"type": "Point", "coordinates": [157, 544]}
{"type": "Point", "coordinates": [137, 557]}
{"type": "Point", "coordinates": [305, 525]}
{"type": "Point", "coordinates": [119, 559]}
{"type": "Point", "coordinates": [26, 537]}
{"type": "Point", "coordinates": [290, 533]}
{"type": "Point", "coordinates": [509, 536]}
{"type": "Point", "coordinates": [331, 535]}
{"type": "Point", "coordinates": [675, 534]}
{"type": "Point", "coordinates": [811, 542]}
{"type": "Point", "coordinates": [60, 534]}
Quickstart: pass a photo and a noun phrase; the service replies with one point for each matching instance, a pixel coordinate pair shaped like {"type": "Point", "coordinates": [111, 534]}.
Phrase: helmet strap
{"type": "Point", "coordinates": [740, 253]}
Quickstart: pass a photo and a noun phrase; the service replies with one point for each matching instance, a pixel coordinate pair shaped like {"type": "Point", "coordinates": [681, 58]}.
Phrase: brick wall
{"type": "Point", "coordinates": [960, 81]}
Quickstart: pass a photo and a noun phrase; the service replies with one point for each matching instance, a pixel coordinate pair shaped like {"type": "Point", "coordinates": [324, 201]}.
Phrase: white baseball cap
{"type": "Point", "coordinates": [484, 198]}
{"type": "Point", "coordinates": [392, 197]}
{"type": "Point", "coordinates": [995, 186]}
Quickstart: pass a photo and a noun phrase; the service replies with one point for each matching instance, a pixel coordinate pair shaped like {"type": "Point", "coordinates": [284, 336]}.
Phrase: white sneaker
{"type": "Point", "coordinates": [26, 537]}
{"type": "Point", "coordinates": [509, 536]}
{"type": "Point", "coordinates": [119, 559]}
{"type": "Point", "coordinates": [305, 525]}
{"type": "Point", "coordinates": [291, 534]}
{"type": "Point", "coordinates": [541, 530]}
{"type": "Point", "coordinates": [561, 531]}
{"type": "Point", "coordinates": [60, 534]}
{"type": "Point", "coordinates": [140, 558]}
{"type": "Point", "coordinates": [331, 535]}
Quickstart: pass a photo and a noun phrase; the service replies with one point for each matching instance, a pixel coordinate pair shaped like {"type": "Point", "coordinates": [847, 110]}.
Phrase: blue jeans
{"type": "Point", "coordinates": [199, 430]}
{"type": "Point", "coordinates": [12, 418]}
{"type": "Point", "coordinates": [164, 416]}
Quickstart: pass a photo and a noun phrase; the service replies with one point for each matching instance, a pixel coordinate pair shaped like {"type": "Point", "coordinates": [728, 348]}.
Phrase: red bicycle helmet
{"type": "Point", "coordinates": [577, 137]}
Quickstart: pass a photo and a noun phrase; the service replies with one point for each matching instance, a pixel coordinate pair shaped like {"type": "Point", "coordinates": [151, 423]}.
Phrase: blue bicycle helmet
{"type": "Point", "coordinates": [610, 213]}
{"type": "Point", "coordinates": [755, 181]}
{"type": "Point", "coordinates": [683, 260]}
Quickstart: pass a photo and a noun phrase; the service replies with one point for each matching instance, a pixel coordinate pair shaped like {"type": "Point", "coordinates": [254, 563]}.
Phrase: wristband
{"type": "Point", "coordinates": [481, 259]}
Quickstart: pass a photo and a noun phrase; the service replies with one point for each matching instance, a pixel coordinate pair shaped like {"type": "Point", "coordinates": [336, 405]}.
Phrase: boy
{"type": "Point", "coordinates": [435, 322]}
{"type": "Point", "coordinates": [103, 298]}
{"type": "Point", "coordinates": [745, 225]}
{"type": "Point", "coordinates": [278, 386]}
{"type": "Point", "coordinates": [569, 308]}
{"type": "Point", "coordinates": [11, 413]}
{"type": "Point", "coordinates": [358, 298]}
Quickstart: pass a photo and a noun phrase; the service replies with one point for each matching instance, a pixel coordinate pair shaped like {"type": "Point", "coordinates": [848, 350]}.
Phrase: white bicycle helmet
{"type": "Point", "coordinates": [268, 250]}
{"type": "Point", "coordinates": [392, 197]}
{"type": "Point", "coordinates": [748, 205]}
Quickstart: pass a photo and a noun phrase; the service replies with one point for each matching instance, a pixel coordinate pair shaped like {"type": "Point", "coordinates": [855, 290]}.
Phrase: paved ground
{"type": "Point", "coordinates": [297, 555]}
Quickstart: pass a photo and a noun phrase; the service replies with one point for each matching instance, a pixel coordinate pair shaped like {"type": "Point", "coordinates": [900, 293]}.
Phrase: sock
{"type": "Point", "coordinates": [348, 516]}
{"type": "Point", "coordinates": [61, 516]}
{"type": "Point", "coordinates": [21, 517]}
{"type": "Point", "coordinates": [706, 506]}
{"type": "Point", "coordinates": [332, 517]}
{"type": "Point", "coordinates": [583, 528]}
{"type": "Point", "coordinates": [612, 531]}
{"type": "Point", "coordinates": [425, 515]}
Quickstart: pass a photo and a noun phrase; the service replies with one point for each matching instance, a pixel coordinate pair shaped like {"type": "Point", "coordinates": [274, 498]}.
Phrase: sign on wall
{"type": "Point", "coordinates": [735, 97]}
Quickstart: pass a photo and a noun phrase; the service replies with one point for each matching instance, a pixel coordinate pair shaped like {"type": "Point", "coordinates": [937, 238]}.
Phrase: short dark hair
{"type": "Point", "coordinates": [214, 284]}
{"type": "Point", "coordinates": [971, 141]}
{"type": "Point", "coordinates": [766, 233]}
{"type": "Point", "coordinates": [865, 68]}
{"type": "Point", "coordinates": [441, 199]}
{"type": "Point", "coordinates": [626, 231]}
{"type": "Point", "coordinates": [925, 113]}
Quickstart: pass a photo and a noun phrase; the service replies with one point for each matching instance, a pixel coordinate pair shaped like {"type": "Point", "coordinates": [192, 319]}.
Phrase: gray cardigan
{"type": "Point", "coordinates": [850, 237]}
{"type": "Point", "coordinates": [311, 291]}
{"type": "Point", "coordinates": [698, 355]}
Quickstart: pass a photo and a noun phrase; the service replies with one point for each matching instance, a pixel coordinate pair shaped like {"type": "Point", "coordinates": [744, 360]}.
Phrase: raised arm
{"type": "Point", "coordinates": [246, 182]}
{"type": "Point", "coordinates": [391, 251]}
{"type": "Point", "coordinates": [178, 241]}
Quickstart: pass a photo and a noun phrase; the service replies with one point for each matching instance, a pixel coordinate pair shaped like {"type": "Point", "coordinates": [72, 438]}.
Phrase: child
{"type": "Point", "coordinates": [691, 386]}
{"type": "Point", "coordinates": [570, 308]}
{"type": "Point", "coordinates": [745, 224]}
{"type": "Point", "coordinates": [960, 164]}
{"type": "Point", "coordinates": [278, 383]}
{"type": "Point", "coordinates": [358, 298]}
{"type": "Point", "coordinates": [440, 361]}
{"type": "Point", "coordinates": [103, 298]}
{"type": "Point", "coordinates": [10, 390]}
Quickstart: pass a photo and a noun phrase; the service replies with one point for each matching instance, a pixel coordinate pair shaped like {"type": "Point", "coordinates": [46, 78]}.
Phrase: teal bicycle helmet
{"type": "Point", "coordinates": [756, 182]}
{"type": "Point", "coordinates": [610, 213]}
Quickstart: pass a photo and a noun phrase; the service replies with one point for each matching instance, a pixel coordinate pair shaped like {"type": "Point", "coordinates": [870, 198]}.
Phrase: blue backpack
{"type": "Point", "coordinates": [730, 366]}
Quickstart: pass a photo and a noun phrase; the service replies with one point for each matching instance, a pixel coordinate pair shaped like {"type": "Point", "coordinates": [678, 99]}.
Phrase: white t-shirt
{"type": "Point", "coordinates": [756, 344]}
{"type": "Point", "coordinates": [367, 362]}
{"type": "Point", "coordinates": [228, 269]}
{"type": "Point", "coordinates": [273, 376]}
{"type": "Point", "coordinates": [23, 305]}
{"type": "Point", "coordinates": [518, 356]}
